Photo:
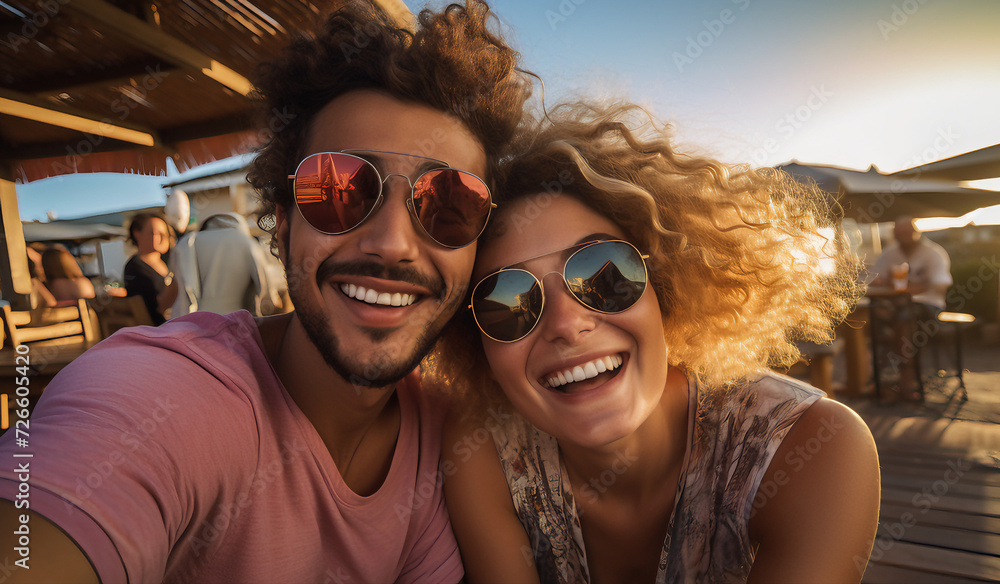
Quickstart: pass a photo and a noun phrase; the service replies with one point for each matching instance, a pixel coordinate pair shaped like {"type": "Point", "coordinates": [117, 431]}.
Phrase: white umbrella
{"type": "Point", "coordinates": [871, 197]}
{"type": "Point", "coordinates": [56, 231]}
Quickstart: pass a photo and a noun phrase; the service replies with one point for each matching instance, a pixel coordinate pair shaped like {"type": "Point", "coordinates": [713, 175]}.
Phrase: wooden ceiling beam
{"type": "Point", "coordinates": [168, 138]}
{"type": "Point", "coordinates": [13, 103]}
{"type": "Point", "coordinates": [58, 149]}
{"type": "Point", "coordinates": [216, 127]}
{"type": "Point", "coordinates": [114, 77]}
{"type": "Point", "coordinates": [151, 39]}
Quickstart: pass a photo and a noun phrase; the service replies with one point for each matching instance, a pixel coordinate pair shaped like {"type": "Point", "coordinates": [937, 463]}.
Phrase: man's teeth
{"type": "Point", "coordinates": [586, 371]}
{"type": "Point", "coordinates": [372, 297]}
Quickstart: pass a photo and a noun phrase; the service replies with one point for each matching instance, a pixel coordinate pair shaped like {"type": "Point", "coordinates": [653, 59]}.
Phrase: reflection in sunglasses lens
{"type": "Point", "coordinates": [452, 206]}
{"type": "Point", "coordinates": [507, 305]}
{"type": "Point", "coordinates": [335, 192]}
{"type": "Point", "coordinates": [608, 277]}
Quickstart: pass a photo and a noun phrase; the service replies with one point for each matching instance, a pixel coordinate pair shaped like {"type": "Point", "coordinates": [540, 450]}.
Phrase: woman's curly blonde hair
{"type": "Point", "coordinates": [744, 261]}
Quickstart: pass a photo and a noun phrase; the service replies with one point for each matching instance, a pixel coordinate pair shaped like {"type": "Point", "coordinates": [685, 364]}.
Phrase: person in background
{"type": "Point", "coordinates": [627, 302]}
{"type": "Point", "coordinates": [146, 273]}
{"type": "Point", "coordinates": [220, 269]}
{"type": "Point", "coordinates": [927, 272]}
{"type": "Point", "coordinates": [921, 268]}
{"type": "Point", "coordinates": [40, 295]}
{"type": "Point", "coordinates": [64, 277]}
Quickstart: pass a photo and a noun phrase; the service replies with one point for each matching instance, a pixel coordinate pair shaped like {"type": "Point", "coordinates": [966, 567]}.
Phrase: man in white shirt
{"type": "Point", "coordinates": [928, 276]}
{"type": "Point", "coordinates": [929, 265]}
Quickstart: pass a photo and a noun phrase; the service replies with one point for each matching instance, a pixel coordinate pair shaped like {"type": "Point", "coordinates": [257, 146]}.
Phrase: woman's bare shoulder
{"type": "Point", "coordinates": [816, 509]}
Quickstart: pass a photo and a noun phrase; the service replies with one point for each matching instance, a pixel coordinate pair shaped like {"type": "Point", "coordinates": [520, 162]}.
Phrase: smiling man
{"type": "Point", "coordinates": [297, 448]}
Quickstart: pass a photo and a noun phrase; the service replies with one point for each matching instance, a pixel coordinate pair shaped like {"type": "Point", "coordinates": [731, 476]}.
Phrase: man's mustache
{"type": "Point", "coordinates": [331, 268]}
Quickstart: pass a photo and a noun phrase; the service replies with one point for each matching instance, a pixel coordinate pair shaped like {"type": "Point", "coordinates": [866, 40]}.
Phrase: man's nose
{"type": "Point", "coordinates": [390, 233]}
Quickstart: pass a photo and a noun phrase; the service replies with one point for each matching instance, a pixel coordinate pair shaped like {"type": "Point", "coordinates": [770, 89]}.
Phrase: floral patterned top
{"type": "Point", "coordinates": [732, 437]}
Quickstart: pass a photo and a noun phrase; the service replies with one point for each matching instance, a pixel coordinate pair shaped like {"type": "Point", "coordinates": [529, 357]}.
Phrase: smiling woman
{"type": "Point", "coordinates": [630, 317]}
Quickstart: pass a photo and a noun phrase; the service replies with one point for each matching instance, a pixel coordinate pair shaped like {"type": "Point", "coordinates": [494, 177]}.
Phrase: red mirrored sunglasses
{"type": "Point", "coordinates": [338, 191]}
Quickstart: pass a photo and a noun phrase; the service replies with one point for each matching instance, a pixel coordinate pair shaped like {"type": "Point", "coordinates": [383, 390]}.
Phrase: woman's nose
{"type": "Point", "coordinates": [564, 318]}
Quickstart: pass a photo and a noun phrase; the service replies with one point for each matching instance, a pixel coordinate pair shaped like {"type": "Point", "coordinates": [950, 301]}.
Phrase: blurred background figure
{"type": "Point", "coordinates": [40, 294]}
{"type": "Point", "coordinates": [64, 278]}
{"type": "Point", "coordinates": [221, 269]}
{"type": "Point", "coordinates": [921, 268]}
{"type": "Point", "coordinates": [146, 274]}
{"type": "Point", "coordinates": [916, 265]}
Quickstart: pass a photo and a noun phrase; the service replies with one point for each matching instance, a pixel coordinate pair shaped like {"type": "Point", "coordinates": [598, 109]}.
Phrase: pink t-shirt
{"type": "Point", "coordinates": [175, 454]}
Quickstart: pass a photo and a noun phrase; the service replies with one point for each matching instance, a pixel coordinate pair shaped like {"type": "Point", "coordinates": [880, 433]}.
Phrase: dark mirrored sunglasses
{"type": "Point", "coordinates": [605, 276]}
{"type": "Point", "coordinates": [337, 191]}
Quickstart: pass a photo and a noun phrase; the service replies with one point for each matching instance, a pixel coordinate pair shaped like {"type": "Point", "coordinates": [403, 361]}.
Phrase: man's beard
{"type": "Point", "coordinates": [383, 369]}
{"type": "Point", "coordinates": [392, 362]}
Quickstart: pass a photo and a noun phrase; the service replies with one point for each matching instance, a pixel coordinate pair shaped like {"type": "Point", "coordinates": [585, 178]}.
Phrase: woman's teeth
{"type": "Point", "coordinates": [370, 296]}
{"type": "Point", "coordinates": [585, 371]}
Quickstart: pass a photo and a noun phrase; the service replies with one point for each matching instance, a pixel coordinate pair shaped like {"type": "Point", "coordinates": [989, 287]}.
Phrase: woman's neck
{"type": "Point", "coordinates": [637, 465]}
{"type": "Point", "coordinates": [625, 493]}
{"type": "Point", "coordinates": [152, 258]}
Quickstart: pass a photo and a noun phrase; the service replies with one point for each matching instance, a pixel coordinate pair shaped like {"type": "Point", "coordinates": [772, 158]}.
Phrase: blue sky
{"type": "Point", "coordinates": [849, 83]}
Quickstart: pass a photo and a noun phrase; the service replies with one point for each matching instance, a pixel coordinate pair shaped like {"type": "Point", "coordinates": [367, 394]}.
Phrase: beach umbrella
{"type": "Point", "coordinates": [872, 197]}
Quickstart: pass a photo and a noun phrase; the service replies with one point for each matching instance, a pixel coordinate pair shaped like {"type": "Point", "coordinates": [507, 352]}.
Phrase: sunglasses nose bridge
{"type": "Point", "coordinates": [560, 288]}
{"type": "Point", "coordinates": [409, 194]}
{"type": "Point", "coordinates": [547, 274]}
{"type": "Point", "coordinates": [564, 317]}
{"type": "Point", "coordinates": [409, 183]}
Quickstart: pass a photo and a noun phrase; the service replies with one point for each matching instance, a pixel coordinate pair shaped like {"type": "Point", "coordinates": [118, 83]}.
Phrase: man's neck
{"type": "Point", "coordinates": [351, 420]}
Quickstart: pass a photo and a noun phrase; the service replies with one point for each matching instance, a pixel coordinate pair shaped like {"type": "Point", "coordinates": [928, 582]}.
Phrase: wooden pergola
{"type": "Point", "coordinates": [121, 85]}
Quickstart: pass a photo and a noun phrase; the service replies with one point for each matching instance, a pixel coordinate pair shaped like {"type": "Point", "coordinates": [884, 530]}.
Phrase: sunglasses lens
{"type": "Point", "coordinates": [452, 206]}
{"type": "Point", "coordinates": [335, 192]}
{"type": "Point", "coordinates": [609, 276]}
{"type": "Point", "coordinates": [507, 305]}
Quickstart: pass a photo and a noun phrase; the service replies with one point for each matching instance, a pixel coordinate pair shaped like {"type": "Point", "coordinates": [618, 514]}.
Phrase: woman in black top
{"type": "Point", "coordinates": [146, 273]}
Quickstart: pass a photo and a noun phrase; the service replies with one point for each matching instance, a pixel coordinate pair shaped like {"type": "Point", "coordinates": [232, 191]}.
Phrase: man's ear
{"type": "Point", "coordinates": [281, 232]}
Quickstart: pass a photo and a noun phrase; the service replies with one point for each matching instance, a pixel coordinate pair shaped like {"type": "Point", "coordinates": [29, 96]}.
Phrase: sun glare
{"type": "Point", "coordinates": [988, 184]}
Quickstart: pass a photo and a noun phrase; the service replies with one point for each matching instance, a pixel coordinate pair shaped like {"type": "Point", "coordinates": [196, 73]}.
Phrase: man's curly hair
{"type": "Point", "coordinates": [744, 262]}
{"type": "Point", "coordinates": [452, 63]}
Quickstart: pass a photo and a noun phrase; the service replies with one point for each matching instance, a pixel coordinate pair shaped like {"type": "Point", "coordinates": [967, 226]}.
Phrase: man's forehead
{"type": "Point", "coordinates": [375, 121]}
{"type": "Point", "coordinates": [398, 162]}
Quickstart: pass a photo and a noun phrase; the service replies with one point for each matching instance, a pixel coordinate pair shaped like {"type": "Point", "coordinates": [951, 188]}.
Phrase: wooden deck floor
{"type": "Point", "coordinates": [940, 516]}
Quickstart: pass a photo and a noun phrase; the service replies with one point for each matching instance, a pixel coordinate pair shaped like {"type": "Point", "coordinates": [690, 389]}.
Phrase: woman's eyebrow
{"type": "Point", "coordinates": [596, 237]}
{"type": "Point", "coordinates": [565, 253]}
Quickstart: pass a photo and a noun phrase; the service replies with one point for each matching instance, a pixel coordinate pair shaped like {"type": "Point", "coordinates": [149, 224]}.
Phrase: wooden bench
{"type": "Point", "coordinates": [54, 337]}
{"type": "Point", "coordinates": [116, 312]}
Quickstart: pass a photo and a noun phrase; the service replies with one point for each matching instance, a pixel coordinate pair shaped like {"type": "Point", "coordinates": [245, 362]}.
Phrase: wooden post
{"type": "Point", "coordinates": [15, 281]}
{"type": "Point", "coordinates": [856, 351]}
